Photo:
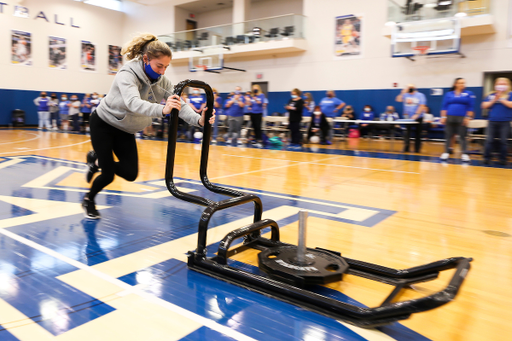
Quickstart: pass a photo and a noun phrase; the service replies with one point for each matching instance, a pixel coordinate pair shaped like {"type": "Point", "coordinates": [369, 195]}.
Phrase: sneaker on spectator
{"type": "Point", "coordinates": [444, 156]}
{"type": "Point", "coordinates": [465, 158]}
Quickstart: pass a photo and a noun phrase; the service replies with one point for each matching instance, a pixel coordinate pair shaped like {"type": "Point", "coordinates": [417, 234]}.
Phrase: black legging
{"type": "Point", "coordinates": [295, 132]}
{"type": "Point", "coordinates": [256, 125]}
{"type": "Point", "coordinates": [105, 140]}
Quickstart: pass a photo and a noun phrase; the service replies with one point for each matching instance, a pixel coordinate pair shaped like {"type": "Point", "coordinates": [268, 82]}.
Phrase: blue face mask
{"type": "Point", "coordinates": [294, 96]}
{"type": "Point", "coordinates": [151, 73]}
{"type": "Point", "coordinates": [237, 92]}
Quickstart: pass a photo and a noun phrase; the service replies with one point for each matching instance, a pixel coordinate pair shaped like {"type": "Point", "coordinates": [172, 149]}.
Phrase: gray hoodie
{"type": "Point", "coordinates": [133, 100]}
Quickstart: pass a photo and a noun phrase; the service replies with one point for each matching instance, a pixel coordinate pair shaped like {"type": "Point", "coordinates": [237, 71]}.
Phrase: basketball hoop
{"type": "Point", "coordinates": [421, 53]}
{"type": "Point", "coordinates": [200, 70]}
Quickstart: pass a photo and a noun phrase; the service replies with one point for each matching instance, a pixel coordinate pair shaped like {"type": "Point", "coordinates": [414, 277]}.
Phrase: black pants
{"type": "Point", "coordinates": [499, 130]}
{"type": "Point", "coordinates": [107, 140]}
{"type": "Point", "coordinates": [417, 141]}
{"type": "Point", "coordinates": [256, 125]}
{"type": "Point", "coordinates": [455, 126]}
{"type": "Point", "coordinates": [368, 130]}
{"type": "Point", "coordinates": [295, 132]}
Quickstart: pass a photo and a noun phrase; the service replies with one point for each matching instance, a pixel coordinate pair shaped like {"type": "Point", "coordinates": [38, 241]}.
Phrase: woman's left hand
{"type": "Point", "coordinates": [466, 121]}
{"type": "Point", "coordinates": [212, 119]}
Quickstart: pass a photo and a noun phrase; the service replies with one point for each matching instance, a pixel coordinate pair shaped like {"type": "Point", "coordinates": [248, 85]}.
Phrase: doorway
{"type": "Point", "coordinates": [191, 25]}
{"type": "Point", "coordinates": [263, 86]}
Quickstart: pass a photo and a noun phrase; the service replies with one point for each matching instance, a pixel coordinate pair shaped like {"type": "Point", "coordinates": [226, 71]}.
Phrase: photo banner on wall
{"type": "Point", "coordinates": [115, 60]}
{"type": "Point", "coordinates": [347, 36]}
{"type": "Point", "coordinates": [21, 48]}
{"type": "Point", "coordinates": [57, 53]}
{"type": "Point", "coordinates": [88, 56]}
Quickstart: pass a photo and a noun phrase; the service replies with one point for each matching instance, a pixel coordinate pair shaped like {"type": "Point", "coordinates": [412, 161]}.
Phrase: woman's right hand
{"type": "Point", "coordinates": [442, 120]}
{"type": "Point", "coordinates": [173, 102]}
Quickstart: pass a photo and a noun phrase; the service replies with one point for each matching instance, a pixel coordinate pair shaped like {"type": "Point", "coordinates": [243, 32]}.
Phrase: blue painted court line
{"type": "Point", "coordinates": [6, 336]}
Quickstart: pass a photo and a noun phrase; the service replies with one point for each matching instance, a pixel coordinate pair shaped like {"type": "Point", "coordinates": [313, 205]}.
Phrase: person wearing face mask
{"type": "Point", "coordinates": [457, 110]}
{"type": "Point", "coordinates": [366, 129]}
{"type": "Point", "coordinates": [235, 105]}
{"type": "Point", "coordinates": [257, 99]}
{"type": "Point", "coordinates": [64, 111]}
{"type": "Point", "coordinates": [295, 107]}
{"type": "Point", "coordinates": [54, 111]}
{"type": "Point", "coordinates": [74, 110]}
{"type": "Point", "coordinates": [499, 104]}
{"type": "Point", "coordinates": [95, 101]}
{"type": "Point", "coordinates": [414, 105]}
{"type": "Point", "coordinates": [197, 103]}
{"type": "Point", "coordinates": [85, 110]}
{"type": "Point", "coordinates": [218, 103]}
{"type": "Point", "coordinates": [389, 115]}
{"type": "Point", "coordinates": [330, 106]}
{"type": "Point", "coordinates": [319, 125]}
{"type": "Point", "coordinates": [130, 105]}
{"type": "Point", "coordinates": [43, 110]}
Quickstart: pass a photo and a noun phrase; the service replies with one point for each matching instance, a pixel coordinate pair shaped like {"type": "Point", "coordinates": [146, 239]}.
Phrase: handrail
{"type": "Point", "coordinates": [232, 24]}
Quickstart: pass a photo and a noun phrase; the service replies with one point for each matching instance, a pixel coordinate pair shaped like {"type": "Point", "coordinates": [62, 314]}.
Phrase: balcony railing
{"type": "Point", "coordinates": [435, 9]}
{"type": "Point", "coordinates": [290, 26]}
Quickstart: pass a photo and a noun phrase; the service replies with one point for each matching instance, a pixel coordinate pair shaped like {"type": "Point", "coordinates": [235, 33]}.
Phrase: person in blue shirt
{"type": "Point", "coordinates": [197, 103]}
{"type": "Point", "coordinates": [330, 106]}
{"type": "Point", "coordinates": [236, 114]}
{"type": "Point", "coordinates": [218, 104]}
{"type": "Point", "coordinates": [389, 115]}
{"type": "Point", "coordinates": [366, 115]}
{"type": "Point", "coordinates": [43, 110]}
{"type": "Point", "coordinates": [85, 109]}
{"type": "Point", "coordinates": [499, 104]}
{"type": "Point", "coordinates": [457, 110]}
{"type": "Point", "coordinates": [257, 100]}
{"type": "Point", "coordinates": [64, 105]}
{"type": "Point", "coordinates": [414, 105]}
{"type": "Point", "coordinates": [309, 105]}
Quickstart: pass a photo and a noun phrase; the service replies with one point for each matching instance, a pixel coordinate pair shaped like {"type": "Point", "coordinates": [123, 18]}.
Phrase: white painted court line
{"type": "Point", "coordinates": [10, 163]}
{"type": "Point", "coordinates": [134, 290]}
{"type": "Point", "coordinates": [268, 169]}
{"type": "Point", "coordinates": [259, 158]}
{"type": "Point", "coordinates": [20, 141]}
{"type": "Point", "coordinates": [366, 168]}
{"type": "Point", "coordinates": [48, 148]}
{"type": "Point", "coordinates": [323, 164]}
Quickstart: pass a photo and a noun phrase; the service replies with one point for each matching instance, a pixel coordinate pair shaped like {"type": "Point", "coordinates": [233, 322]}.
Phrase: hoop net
{"type": "Point", "coordinates": [421, 53]}
{"type": "Point", "coordinates": [200, 70]}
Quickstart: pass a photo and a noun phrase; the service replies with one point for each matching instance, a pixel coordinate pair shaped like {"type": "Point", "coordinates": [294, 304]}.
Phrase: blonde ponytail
{"type": "Point", "coordinates": [145, 43]}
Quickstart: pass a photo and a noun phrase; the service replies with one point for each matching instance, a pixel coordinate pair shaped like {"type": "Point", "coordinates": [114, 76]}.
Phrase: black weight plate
{"type": "Point", "coordinates": [321, 267]}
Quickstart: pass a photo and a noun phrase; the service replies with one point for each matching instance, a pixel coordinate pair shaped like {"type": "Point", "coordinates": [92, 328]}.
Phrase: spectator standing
{"type": "Point", "coordinates": [218, 104]}
{"type": "Point", "coordinates": [499, 103]}
{"type": "Point", "coordinates": [236, 114]}
{"type": "Point", "coordinates": [54, 111]}
{"type": "Point", "coordinates": [309, 105]}
{"type": "Point", "coordinates": [330, 105]}
{"type": "Point", "coordinates": [197, 102]}
{"type": "Point", "coordinates": [295, 107]}
{"type": "Point", "coordinates": [43, 110]}
{"type": "Point", "coordinates": [85, 109]}
{"type": "Point", "coordinates": [74, 110]}
{"type": "Point", "coordinates": [64, 111]}
{"type": "Point", "coordinates": [257, 101]}
{"type": "Point", "coordinates": [457, 110]}
{"type": "Point", "coordinates": [414, 105]}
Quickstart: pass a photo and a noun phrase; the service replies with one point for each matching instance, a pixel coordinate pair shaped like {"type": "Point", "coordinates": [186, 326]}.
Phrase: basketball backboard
{"type": "Point", "coordinates": [442, 36]}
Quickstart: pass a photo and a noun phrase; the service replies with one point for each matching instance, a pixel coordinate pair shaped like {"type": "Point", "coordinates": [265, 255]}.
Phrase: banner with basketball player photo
{"type": "Point", "coordinates": [57, 53]}
{"type": "Point", "coordinates": [88, 56]}
{"type": "Point", "coordinates": [21, 48]}
{"type": "Point", "coordinates": [115, 60]}
{"type": "Point", "coordinates": [347, 35]}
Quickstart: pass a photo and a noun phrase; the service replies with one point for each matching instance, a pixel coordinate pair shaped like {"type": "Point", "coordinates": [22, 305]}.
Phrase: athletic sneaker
{"type": "Point", "coordinates": [90, 209]}
{"type": "Point", "coordinates": [445, 156]}
{"type": "Point", "coordinates": [91, 163]}
{"type": "Point", "coordinates": [465, 158]}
